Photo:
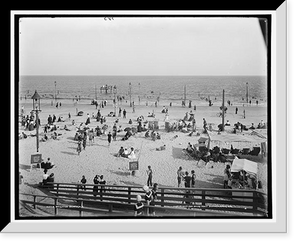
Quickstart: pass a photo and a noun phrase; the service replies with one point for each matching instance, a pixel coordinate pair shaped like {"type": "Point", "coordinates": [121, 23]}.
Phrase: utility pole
{"type": "Point", "coordinates": [139, 93]}
{"type": "Point", "coordinates": [55, 91]}
{"type": "Point", "coordinates": [95, 93]}
{"type": "Point", "coordinates": [223, 110]}
{"type": "Point", "coordinates": [130, 94]}
{"type": "Point", "coordinates": [115, 101]}
{"type": "Point", "coordinates": [184, 94]}
{"type": "Point", "coordinates": [247, 92]}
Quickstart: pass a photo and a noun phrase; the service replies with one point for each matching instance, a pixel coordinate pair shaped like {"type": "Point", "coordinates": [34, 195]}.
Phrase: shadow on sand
{"type": "Point", "coordinates": [69, 153]}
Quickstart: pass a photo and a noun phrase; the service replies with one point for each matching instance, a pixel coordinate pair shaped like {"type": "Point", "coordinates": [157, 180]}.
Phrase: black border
{"type": "Point", "coordinates": [16, 84]}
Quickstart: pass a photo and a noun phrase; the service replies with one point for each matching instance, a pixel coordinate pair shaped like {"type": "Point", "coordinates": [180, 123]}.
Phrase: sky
{"type": "Point", "coordinates": [142, 46]}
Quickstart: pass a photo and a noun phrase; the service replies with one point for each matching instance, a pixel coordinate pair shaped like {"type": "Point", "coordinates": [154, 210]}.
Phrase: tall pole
{"type": "Point", "coordinates": [115, 102]}
{"type": "Point", "coordinates": [55, 91]}
{"type": "Point", "coordinates": [37, 130]}
{"type": "Point", "coordinates": [139, 93]}
{"type": "Point", "coordinates": [247, 92]}
{"type": "Point", "coordinates": [223, 110]}
{"type": "Point", "coordinates": [184, 96]}
{"type": "Point", "coordinates": [130, 94]}
{"type": "Point", "coordinates": [95, 93]}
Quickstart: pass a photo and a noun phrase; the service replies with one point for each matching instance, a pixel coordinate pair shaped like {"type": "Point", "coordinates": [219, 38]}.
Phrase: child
{"type": "Point", "coordinates": [138, 207]}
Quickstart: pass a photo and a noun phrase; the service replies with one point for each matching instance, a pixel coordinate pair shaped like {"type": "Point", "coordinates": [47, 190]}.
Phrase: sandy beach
{"type": "Point", "coordinates": [99, 158]}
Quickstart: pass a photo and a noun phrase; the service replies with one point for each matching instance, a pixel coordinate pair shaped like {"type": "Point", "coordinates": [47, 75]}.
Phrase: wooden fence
{"type": "Point", "coordinates": [174, 201]}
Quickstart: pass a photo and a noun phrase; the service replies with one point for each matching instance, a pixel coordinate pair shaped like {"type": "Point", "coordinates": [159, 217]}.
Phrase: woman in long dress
{"type": "Point", "coordinates": [78, 147]}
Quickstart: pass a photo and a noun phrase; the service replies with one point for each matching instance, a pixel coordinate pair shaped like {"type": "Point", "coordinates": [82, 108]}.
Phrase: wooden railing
{"type": "Point", "coordinates": [122, 198]}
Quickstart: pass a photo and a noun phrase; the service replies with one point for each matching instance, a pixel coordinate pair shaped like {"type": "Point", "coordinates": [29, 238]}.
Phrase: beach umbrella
{"type": "Point", "coordinates": [80, 113]}
{"type": "Point", "coordinates": [127, 129]}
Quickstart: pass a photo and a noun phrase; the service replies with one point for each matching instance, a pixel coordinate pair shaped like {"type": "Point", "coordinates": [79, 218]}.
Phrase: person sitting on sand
{"type": "Point", "coordinates": [227, 123]}
{"type": "Point", "coordinates": [252, 127]}
{"type": "Point", "coordinates": [48, 164]}
{"type": "Point", "coordinates": [161, 148]}
{"type": "Point", "coordinates": [153, 135]}
{"type": "Point", "coordinates": [147, 135]}
{"type": "Point", "coordinates": [151, 115]}
{"type": "Point", "coordinates": [131, 155]}
{"type": "Point", "coordinates": [130, 121]}
{"type": "Point", "coordinates": [127, 135]}
{"type": "Point", "coordinates": [126, 153]}
{"type": "Point", "coordinates": [66, 128]}
{"type": "Point", "coordinates": [120, 152]}
{"type": "Point", "coordinates": [190, 148]}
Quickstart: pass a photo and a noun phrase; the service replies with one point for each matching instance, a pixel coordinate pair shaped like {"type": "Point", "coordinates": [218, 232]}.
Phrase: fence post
{"type": "Point", "coordinates": [255, 201]}
{"type": "Point", "coordinates": [110, 208]}
{"type": "Point", "coordinates": [129, 195]}
{"type": "Point", "coordinates": [203, 198]}
{"type": "Point", "coordinates": [80, 209]}
{"type": "Point", "coordinates": [34, 200]}
{"type": "Point", "coordinates": [55, 206]}
{"type": "Point", "coordinates": [77, 191]}
{"type": "Point", "coordinates": [57, 188]}
{"type": "Point", "coordinates": [162, 196]}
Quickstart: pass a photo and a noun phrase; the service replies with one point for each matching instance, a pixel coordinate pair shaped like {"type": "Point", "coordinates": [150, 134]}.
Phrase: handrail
{"type": "Point", "coordinates": [110, 206]}
{"type": "Point", "coordinates": [161, 187]}
{"type": "Point", "coordinates": [167, 196]}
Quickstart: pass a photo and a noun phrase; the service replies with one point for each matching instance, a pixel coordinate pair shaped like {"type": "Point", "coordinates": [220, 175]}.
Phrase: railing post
{"type": "Point", "coordinates": [77, 191]}
{"type": "Point", "coordinates": [34, 200]}
{"type": "Point", "coordinates": [203, 198]}
{"type": "Point", "coordinates": [55, 206]}
{"type": "Point", "coordinates": [100, 191]}
{"type": "Point", "coordinates": [255, 201]}
{"type": "Point", "coordinates": [162, 196]}
{"type": "Point", "coordinates": [57, 188]}
{"type": "Point", "coordinates": [110, 208]}
{"type": "Point", "coordinates": [80, 209]}
{"type": "Point", "coordinates": [129, 195]}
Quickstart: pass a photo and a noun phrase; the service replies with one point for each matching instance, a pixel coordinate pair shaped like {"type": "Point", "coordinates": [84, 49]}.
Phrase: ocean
{"type": "Point", "coordinates": [147, 88]}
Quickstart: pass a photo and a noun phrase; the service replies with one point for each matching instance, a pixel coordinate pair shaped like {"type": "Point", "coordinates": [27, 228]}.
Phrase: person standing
{"type": "Point", "coordinates": [102, 182]}
{"type": "Point", "coordinates": [138, 207]}
{"type": "Point", "coordinates": [227, 176]}
{"type": "Point", "coordinates": [187, 180]}
{"type": "Point", "coordinates": [83, 181]}
{"type": "Point", "coordinates": [150, 176]}
{"type": "Point", "coordinates": [115, 132]}
{"type": "Point", "coordinates": [154, 197]}
{"type": "Point", "coordinates": [179, 176]}
{"type": "Point", "coordinates": [148, 196]}
{"type": "Point", "coordinates": [236, 110]}
{"type": "Point", "coordinates": [193, 178]}
{"type": "Point", "coordinates": [109, 138]}
{"type": "Point", "coordinates": [78, 147]}
{"type": "Point", "coordinates": [95, 188]}
{"type": "Point", "coordinates": [124, 113]}
{"type": "Point", "coordinates": [20, 178]}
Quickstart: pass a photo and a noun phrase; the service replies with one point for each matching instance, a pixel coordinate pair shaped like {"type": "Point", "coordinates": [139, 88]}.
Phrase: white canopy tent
{"type": "Point", "coordinates": [244, 164]}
